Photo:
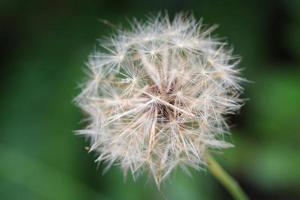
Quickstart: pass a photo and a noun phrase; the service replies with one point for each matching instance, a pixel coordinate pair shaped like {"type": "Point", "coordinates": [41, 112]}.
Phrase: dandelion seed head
{"type": "Point", "coordinates": [157, 96]}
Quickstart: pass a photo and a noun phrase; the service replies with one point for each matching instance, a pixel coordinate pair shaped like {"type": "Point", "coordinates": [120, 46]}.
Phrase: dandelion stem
{"type": "Point", "coordinates": [225, 179]}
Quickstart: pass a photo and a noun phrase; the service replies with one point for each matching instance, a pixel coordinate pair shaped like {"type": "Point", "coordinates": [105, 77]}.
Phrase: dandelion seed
{"type": "Point", "coordinates": [158, 95]}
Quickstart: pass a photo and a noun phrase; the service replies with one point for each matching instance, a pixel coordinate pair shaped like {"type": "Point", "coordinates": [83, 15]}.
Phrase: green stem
{"type": "Point", "coordinates": [225, 179]}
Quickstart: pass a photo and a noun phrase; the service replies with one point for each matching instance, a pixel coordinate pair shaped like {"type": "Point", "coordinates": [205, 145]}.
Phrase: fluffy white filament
{"type": "Point", "coordinates": [157, 96]}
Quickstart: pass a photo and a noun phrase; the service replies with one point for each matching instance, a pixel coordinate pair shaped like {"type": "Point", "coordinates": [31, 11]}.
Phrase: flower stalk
{"type": "Point", "coordinates": [225, 179]}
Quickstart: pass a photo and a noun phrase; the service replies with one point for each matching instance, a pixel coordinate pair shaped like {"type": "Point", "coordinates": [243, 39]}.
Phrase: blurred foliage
{"type": "Point", "coordinates": [44, 45]}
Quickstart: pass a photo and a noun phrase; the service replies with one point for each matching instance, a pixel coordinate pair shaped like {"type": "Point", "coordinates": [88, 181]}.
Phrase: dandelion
{"type": "Point", "coordinates": [157, 96]}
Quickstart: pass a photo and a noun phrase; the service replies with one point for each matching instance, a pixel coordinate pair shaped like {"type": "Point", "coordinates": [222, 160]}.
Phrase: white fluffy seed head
{"type": "Point", "coordinates": [157, 96]}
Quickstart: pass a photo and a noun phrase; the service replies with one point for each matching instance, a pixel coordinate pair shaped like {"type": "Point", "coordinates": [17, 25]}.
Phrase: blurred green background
{"type": "Point", "coordinates": [44, 44]}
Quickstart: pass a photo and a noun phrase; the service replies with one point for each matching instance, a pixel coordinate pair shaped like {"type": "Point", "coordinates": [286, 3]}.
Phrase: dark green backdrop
{"type": "Point", "coordinates": [43, 47]}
